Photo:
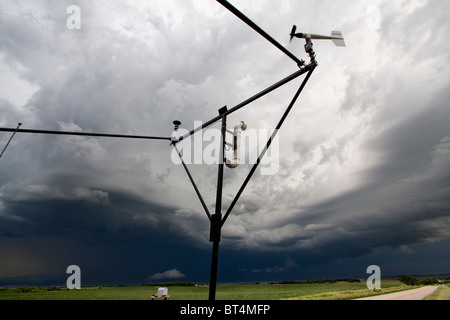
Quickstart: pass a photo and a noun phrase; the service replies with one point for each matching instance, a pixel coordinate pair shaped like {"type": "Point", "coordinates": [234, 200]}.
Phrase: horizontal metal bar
{"type": "Point", "coordinates": [86, 134]}
{"type": "Point", "coordinates": [9, 141]}
{"type": "Point", "coordinates": [255, 27]}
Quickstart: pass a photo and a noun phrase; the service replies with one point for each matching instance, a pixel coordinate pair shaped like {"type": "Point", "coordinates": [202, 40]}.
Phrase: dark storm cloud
{"type": "Point", "coordinates": [113, 236]}
{"type": "Point", "coordinates": [403, 201]}
{"type": "Point", "coordinates": [408, 147]}
{"type": "Point", "coordinates": [82, 211]}
{"type": "Point", "coordinates": [364, 157]}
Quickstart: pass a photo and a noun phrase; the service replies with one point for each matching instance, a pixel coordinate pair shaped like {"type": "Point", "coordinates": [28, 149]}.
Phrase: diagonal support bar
{"type": "Point", "coordinates": [255, 166]}
{"type": "Point", "coordinates": [255, 97]}
{"type": "Point", "coordinates": [193, 184]}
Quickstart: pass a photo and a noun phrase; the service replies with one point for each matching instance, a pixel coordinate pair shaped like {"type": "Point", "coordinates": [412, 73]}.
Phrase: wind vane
{"type": "Point", "coordinates": [336, 36]}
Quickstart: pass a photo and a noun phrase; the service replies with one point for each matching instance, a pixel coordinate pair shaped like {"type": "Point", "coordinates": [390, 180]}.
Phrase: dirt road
{"type": "Point", "coordinates": [414, 294]}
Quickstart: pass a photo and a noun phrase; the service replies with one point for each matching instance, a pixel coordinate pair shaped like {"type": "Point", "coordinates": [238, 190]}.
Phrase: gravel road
{"type": "Point", "coordinates": [414, 294]}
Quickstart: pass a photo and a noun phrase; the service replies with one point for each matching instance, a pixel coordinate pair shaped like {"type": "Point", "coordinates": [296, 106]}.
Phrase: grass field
{"type": "Point", "coordinates": [316, 291]}
{"type": "Point", "coordinates": [442, 293]}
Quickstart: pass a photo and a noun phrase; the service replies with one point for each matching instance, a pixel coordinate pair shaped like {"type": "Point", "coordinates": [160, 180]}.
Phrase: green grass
{"type": "Point", "coordinates": [442, 293]}
{"type": "Point", "coordinates": [316, 291]}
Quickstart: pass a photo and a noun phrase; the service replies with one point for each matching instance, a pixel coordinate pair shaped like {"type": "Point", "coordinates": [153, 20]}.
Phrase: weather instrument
{"type": "Point", "coordinates": [241, 126]}
{"type": "Point", "coordinates": [336, 36]}
{"type": "Point", "coordinates": [174, 136]}
{"type": "Point", "coordinates": [219, 217]}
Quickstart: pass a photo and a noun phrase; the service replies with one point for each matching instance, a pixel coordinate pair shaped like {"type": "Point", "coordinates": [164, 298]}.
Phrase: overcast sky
{"type": "Point", "coordinates": [362, 162]}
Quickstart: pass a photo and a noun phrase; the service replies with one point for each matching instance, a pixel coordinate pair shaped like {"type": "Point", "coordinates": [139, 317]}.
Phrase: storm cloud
{"type": "Point", "coordinates": [364, 156]}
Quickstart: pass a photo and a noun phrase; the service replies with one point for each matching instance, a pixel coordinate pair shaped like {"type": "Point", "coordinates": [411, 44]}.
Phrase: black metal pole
{"type": "Point", "coordinates": [85, 134]}
{"type": "Point", "coordinates": [216, 219]}
{"type": "Point", "coordinates": [213, 276]}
